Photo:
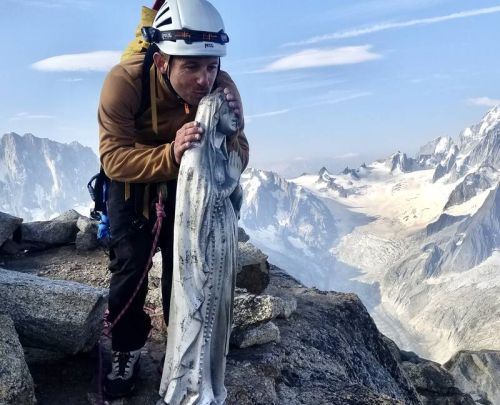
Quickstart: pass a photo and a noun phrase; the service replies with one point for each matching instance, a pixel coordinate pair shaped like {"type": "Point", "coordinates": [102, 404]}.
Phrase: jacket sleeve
{"type": "Point", "coordinates": [238, 142]}
{"type": "Point", "coordinates": [120, 158]}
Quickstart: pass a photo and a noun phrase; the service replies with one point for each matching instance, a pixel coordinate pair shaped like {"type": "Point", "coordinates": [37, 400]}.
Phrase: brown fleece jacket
{"type": "Point", "coordinates": [129, 149]}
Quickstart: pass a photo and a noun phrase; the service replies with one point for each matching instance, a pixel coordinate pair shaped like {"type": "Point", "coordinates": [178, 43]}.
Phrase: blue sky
{"type": "Point", "coordinates": [322, 82]}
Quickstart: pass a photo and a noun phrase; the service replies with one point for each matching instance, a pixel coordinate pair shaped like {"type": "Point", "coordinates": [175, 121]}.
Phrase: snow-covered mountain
{"type": "Point", "coordinates": [417, 238]}
{"type": "Point", "coordinates": [40, 178]}
{"type": "Point", "coordinates": [479, 147]}
{"type": "Point", "coordinates": [285, 217]}
{"type": "Point", "coordinates": [433, 152]}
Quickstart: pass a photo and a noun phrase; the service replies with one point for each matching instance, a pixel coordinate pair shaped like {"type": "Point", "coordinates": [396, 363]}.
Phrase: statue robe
{"type": "Point", "coordinates": [205, 254]}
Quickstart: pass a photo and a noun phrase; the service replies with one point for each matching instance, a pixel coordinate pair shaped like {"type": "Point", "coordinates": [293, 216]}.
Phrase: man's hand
{"type": "Point", "coordinates": [184, 138]}
{"type": "Point", "coordinates": [235, 105]}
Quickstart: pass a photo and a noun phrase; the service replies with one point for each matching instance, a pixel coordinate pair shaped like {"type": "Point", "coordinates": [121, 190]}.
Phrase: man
{"type": "Point", "coordinates": [142, 147]}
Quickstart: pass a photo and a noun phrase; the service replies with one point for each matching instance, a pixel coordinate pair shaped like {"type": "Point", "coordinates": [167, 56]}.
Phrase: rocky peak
{"type": "Point", "coordinates": [40, 178]}
{"type": "Point", "coordinates": [434, 152]}
{"type": "Point", "coordinates": [400, 162]}
{"type": "Point", "coordinates": [323, 171]}
{"type": "Point", "coordinates": [471, 136]}
{"type": "Point", "coordinates": [352, 172]}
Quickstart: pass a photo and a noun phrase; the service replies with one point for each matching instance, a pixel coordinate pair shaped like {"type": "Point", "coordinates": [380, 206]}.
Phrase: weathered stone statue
{"type": "Point", "coordinates": [205, 248]}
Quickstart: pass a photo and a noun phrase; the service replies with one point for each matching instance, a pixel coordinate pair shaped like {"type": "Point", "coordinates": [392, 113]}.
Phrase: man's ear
{"type": "Point", "coordinates": [160, 62]}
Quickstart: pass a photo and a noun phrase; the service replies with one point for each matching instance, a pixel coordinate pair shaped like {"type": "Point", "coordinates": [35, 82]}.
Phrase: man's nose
{"type": "Point", "coordinates": [204, 78]}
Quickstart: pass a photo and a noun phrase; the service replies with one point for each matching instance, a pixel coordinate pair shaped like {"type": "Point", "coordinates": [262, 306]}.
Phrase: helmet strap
{"type": "Point", "coordinates": [166, 77]}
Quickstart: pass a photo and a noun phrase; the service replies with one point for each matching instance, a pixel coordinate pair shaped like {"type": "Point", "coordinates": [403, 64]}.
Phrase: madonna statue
{"type": "Point", "coordinates": [205, 249]}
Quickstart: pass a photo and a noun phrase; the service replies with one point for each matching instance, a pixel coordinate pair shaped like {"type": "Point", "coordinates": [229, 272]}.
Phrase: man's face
{"type": "Point", "coordinates": [192, 77]}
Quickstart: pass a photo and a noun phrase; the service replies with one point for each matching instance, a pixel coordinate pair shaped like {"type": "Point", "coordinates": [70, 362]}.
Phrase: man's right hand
{"type": "Point", "coordinates": [185, 136]}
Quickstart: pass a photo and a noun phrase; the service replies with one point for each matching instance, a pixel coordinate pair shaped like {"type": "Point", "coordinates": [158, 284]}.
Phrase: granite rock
{"type": "Point", "coordinates": [16, 384]}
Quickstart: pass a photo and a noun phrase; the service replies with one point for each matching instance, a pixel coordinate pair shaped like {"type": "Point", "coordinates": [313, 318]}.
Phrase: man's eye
{"type": "Point", "coordinates": [211, 68]}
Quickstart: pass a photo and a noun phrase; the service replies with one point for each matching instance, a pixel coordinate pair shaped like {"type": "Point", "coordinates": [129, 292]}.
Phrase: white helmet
{"type": "Point", "coordinates": [188, 28]}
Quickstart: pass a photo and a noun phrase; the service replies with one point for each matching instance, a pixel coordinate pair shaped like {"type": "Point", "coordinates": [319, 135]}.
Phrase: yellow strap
{"type": "Point", "coordinates": [138, 43]}
{"type": "Point", "coordinates": [145, 206]}
{"type": "Point", "coordinates": [152, 88]}
{"type": "Point", "coordinates": [127, 191]}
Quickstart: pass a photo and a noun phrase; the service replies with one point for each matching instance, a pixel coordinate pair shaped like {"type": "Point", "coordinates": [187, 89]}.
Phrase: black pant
{"type": "Point", "coordinates": [131, 243]}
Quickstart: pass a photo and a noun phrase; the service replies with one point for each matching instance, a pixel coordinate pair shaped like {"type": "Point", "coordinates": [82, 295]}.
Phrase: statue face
{"type": "Point", "coordinates": [228, 120]}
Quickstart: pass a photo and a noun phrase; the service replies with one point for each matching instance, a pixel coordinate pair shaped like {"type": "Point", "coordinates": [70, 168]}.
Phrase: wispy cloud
{"type": "Point", "coordinates": [81, 4]}
{"type": "Point", "coordinates": [250, 118]}
{"type": "Point", "coordinates": [301, 85]}
{"type": "Point", "coordinates": [335, 98]}
{"type": "Point", "coordinates": [394, 25]}
{"type": "Point", "coordinates": [71, 79]}
{"type": "Point", "coordinates": [98, 61]}
{"type": "Point", "coordinates": [484, 101]}
{"type": "Point", "coordinates": [324, 99]}
{"type": "Point", "coordinates": [27, 116]}
{"type": "Point", "coordinates": [311, 58]}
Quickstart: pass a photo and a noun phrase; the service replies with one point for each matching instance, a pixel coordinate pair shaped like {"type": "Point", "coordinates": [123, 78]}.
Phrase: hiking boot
{"type": "Point", "coordinates": [120, 382]}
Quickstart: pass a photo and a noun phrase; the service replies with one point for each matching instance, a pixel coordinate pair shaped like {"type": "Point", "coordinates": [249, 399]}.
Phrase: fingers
{"type": "Point", "coordinates": [184, 138]}
{"type": "Point", "coordinates": [189, 133]}
{"type": "Point", "coordinates": [233, 101]}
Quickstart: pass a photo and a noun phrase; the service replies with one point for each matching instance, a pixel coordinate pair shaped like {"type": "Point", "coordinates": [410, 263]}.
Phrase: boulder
{"type": "Point", "coordinates": [250, 309]}
{"type": "Point", "coordinates": [8, 224]}
{"type": "Point", "coordinates": [86, 241]}
{"type": "Point", "coordinates": [477, 373]}
{"type": "Point", "coordinates": [289, 306]}
{"type": "Point", "coordinates": [16, 384]}
{"type": "Point", "coordinates": [262, 334]}
{"type": "Point", "coordinates": [52, 314]}
{"type": "Point", "coordinates": [61, 230]}
{"type": "Point", "coordinates": [253, 272]}
{"type": "Point", "coordinates": [434, 384]}
{"type": "Point", "coordinates": [49, 233]}
{"type": "Point", "coordinates": [85, 224]}
{"type": "Point", "coordinates": [86, 238]}
{"type": "Point", "coordinates": [242, 235]}
{"type": "Point", "coordinates": [70, 215]}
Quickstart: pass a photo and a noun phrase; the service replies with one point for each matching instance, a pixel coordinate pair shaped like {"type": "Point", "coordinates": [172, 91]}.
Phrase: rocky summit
{"type": "Point", "coordinates": [291, 344]}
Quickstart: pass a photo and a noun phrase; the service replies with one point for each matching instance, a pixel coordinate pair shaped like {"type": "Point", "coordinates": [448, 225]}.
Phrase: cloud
{"type": "Point", "coordinates": [311, 58]}
{"type": "Point", "coordinates": [98, 61]}
{"type": "Point", "coordinates": [484, 101]}
{"type": "Point", "coordinates": [335, 98]}
{"type": "Point", "coordinates": [394, 25]}
{"type": "Point", "coordinates": [318, 101]}
{"type": "Point", "coordinates": [250, 118]}
{"type": "Point", "coordinates": [303, 85]}
{"type": "Point", "coordinates": [27, 116]}
{"type": "Point", "coordinates": [71, 79]}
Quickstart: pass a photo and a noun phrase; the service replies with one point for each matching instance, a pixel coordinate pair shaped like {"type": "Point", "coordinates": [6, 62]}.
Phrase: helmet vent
{"type": "Point", "coordinates": [163, 12]}
{"type": "Point", "coordinates": [168, 21]}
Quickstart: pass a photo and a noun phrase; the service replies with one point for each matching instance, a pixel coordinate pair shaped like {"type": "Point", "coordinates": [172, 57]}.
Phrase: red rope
{"type": "Point", "coordinates": [160, 214]}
